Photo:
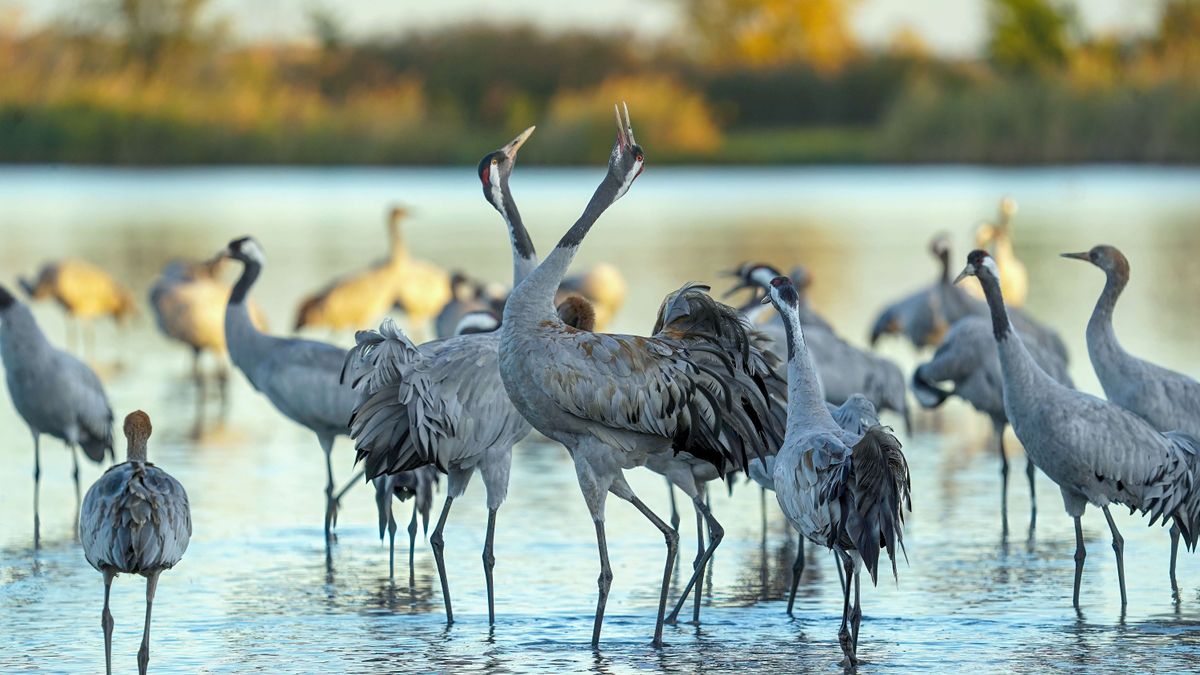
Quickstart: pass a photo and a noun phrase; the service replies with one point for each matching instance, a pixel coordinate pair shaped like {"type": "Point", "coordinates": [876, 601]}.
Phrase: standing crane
{"type": "Point", "coordinates": [1097, 452]}
{"type": "Point", "coordinates": [54, 392]}
{"type": "Point", "coordinates": [442, 403]}
{"type": "Point", "coordinates": [615, 400]}
{"type": "Point", "coordinates": [301, 378]}
{"type": "Point", "coordinates": [968, 360]}
{"type": "Point", "coordinates": [1168, 400]}
{"type": "Point", "coordinates": [135, 520]}
{"type": "Point", "coordinates": [844, 491]}
{"type": "Point", "coordinates": [84, 291]}
{"type": "Point", "coordinates": [361, 298]}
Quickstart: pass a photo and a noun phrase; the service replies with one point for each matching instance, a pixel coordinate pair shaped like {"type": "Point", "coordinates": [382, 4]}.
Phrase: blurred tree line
{"type": "Point", "coordinates": [154, 81]}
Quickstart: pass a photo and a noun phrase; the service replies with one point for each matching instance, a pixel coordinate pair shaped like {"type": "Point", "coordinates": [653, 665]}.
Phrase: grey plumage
{"type": "Point", "coordinates": [968, 360]}
{"type": "Point", "coordinates": [301, 378]}
{"type": "Point", "coordinates": [1168, 400]}
{"type": "Point", "coordinates": [442, 403]}
{"type": "Point", "coordinates": [844, 491]}
{"type": "Point", "coordinates": [1095, 451]}
{"type": "Point", "coordinates": [54, 392]}
{"type": "Point", "coordinates": [136, 519]}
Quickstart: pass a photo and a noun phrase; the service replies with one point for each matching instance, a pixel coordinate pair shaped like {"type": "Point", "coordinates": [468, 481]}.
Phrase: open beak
{"type": "Point", "coordinates": [515, 144]}
{"type": "Point", "coordinates": [1078, 256]}
{"type": "Point", "coordinates": [624, 127]}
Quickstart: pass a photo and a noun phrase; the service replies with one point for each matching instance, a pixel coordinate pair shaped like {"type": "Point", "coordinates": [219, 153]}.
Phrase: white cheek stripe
{"type": "Point", "coordinates": [762, 276]}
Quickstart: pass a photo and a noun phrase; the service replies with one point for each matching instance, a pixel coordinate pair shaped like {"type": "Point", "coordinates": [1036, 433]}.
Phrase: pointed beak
{"type": "Point", "coordinates": [1077, 256]}
{"type": "Point", "coordinates": [766, 299]}
{"type": "Point", "coordinates": [967, 271]}
{"type": "Point", "coordinates": [515, 144]}
{"type": "Point", "coordinates": [622, 139]}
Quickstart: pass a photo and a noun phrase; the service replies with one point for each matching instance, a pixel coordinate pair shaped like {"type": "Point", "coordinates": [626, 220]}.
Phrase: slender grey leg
{"type": "Point", "coordinates": [674, 510]}
{"type": "Point", "coordinates": [672, 538]}
{"type": "Point", "coordinates": [1003, 482]}
{"type": "Point", "coordinates": [695, 567]}
{"type": "Point", "coordinates": [37, 488]}
{"type": "Point", "coordinates": [327, 448]}
{"type": "Point", "coordinates": [78, 493]}
{"type": "Point", "coordinates": [604, 582]}
{"type": "Point", "coordinates": [1118, 544]}
{"type": "Point", "coordinates": [1174, 555]}
{"type": "Point", "coordinates": [797, 572]}
{"type": "Point", "coordinates": [845, 639]}
{"type": "Point", "coordinates": [856, 613]}
{"type": "Point", "coordinates": [412, 547]}
{"type": "Point", "coordinates": [391, 528]}
{"type": "Point", "coordinates": [144, 652]}
{"type": "Point", "coordinates": [489, 561]}
{"type": "Point", "coordinates": [439, 546]}
{"type": "Point", "coordinates": [1080, 554]}
{"type": "Point", "coordinates": [337, 498]}
{"type": "Point", "coordinates": [715, 534]}
{"type": "Point", "coordinates": [106, 622]}
{"type": "Point", "coordinates": [1030, 470]}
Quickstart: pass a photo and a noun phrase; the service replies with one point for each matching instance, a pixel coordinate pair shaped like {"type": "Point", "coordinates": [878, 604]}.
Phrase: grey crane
{"type": "Point", "coordinates": [614, 400]}
{"type": "Point", "coordinates": [841, 490]}
{"type": "Point", "coordinates": [968, 360]}
{"type": "Point", "coordinates": [1168, 400]}
{"type": "Point", "coordinates": [925, 316]}
{"type": "Point", "coordinates": [54, 392]}
{"type": "Point", "coordinates": [843, 369]}
{"type": "Point", "coordinates": [301, 378]}
{"type": "Point", "coordinates": [135, 520]}
{"type": "Point", "coordinates": [442, 403]}
{"type": "Point", "coordinates": [466, 296]}
{"type": "Point", "coordinates": [1095, 451]}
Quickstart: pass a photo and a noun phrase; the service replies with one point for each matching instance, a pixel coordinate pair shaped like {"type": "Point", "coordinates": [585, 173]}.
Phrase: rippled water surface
{"type": "Point", "coordinates": [256, 592]}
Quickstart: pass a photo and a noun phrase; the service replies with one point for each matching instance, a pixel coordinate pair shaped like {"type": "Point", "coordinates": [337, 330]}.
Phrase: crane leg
{"type": "Point", "coordinates": [1080, 555]}
{"type": "Point", "coordinates": [1003, 483]}
{"type": "Point", "coordinates": [856, 613]}
{"type": "Point", "coordinates": [1030, 470]}
{"type": "Point", "coordinates": [797, 572]}
{"type": "Point", "coordinates": [489, 562]}
{"type": "Point", "coordinates": [1118, 544]}
{"type": "Point", "coordinates": [675, 519]}
{"type": "Point", "coordinates": [37, 488]}
{"type": "Point", "coordinates": [391, 528]}
{"type": "Point", "coordinates": [439, 546]}
{"type": "Point", "coordinates": [144, 652]}
{"type": "Point", "coordinates": [604, 581]}
{"type": "Point", "coordinates": [1174, 556]}
{"type": "Point", "coordinates": [78, 493]}
{"type": "Point", "coordinates": [412, 548]}
{"type": "Point", "coordinates": [696, 567]}
{"type": "Point", "coordinates": [845, 639]}
{"type": "Point", "coordinates": [327, 448]}
{"type": "Point", "coordinates": [337, 498]}
{"type": "Point", "coordinates": [672, 538]}
{"type": "Point", "coordinates": [715, 534]}
{"type": "Point", "coordinates": [106, 623]}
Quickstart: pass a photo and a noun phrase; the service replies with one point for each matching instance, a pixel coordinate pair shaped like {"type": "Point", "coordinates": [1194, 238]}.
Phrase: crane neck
{"type": "Point", "coordinates": [944, 256]}
{"type": "Point", "coordinates": [524, 254]}
{"type": "Point", "coordinates": [1102, 337]}
{"type": "Point", "coordinates": [542, 283]}
{"type": "Point", "coordinates": [396, 249]}
{"type": "Point", "coordinates": [1001, 328]}
{"type": "Point", "coordinates": [805, 398]}
{"type": "Point", "coordinates": [250, 272]}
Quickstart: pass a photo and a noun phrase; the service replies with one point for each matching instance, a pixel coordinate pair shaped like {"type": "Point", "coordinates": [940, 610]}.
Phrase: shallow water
{"type": "Point", "coordinates": [256, 593]}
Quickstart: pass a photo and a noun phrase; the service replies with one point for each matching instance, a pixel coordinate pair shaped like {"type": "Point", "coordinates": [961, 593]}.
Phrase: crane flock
{"type": "Point", "coordinates": [768, 389]}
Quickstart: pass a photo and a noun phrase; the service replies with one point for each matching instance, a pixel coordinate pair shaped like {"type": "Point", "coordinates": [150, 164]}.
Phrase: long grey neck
{"type": "Point", "coordinates": [20, 336]}
{"type": "Point", "coordinates": [1022, 375]}
{"type": "Point", "coordinates": [805, 399]}
{"type": "Point", "coordinates": [245, 343]}
{"type": "Point", "coordinates": [536, 293]}
{"type": "Point", "coordinates": [1101, 337]}
{"type": "Point", "coordinates": [524, 255]}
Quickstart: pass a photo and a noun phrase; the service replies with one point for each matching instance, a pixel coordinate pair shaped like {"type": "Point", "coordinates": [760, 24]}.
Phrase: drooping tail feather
{"type": "Point", "coordinates": [1180, 500]}
{"type": "Point", "coordinates": [879, 491]}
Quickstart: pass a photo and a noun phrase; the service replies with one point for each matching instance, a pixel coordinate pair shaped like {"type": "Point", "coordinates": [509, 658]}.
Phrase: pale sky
{"type": "Point", "coordinates": [951, 27]}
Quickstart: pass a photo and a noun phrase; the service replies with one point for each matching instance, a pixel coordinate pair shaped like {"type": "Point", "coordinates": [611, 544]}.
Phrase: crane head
{"type": "Point", "coordinates": [497, 166]}
{"type": "Point", "coordinates": [979, 263]}
{"type": "Point", "coordinates": [246, 250]}
{"type": "Point", "coordinates": [1108, 258]}
{"type": "Point", "coordinates": [137, 431]}
{"type": "Point", "coordinates": [752, 275]}
{"type": "Point", "coordinates": [6, 298]}
{"type": "Point", "coordinates": [627, 160]}
{"type": "Point", "coordinates": [782, 293]}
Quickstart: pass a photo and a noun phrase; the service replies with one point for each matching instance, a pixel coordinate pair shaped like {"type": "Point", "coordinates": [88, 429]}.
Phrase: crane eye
{"type": "Point", "coordinates": [639, 158]}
